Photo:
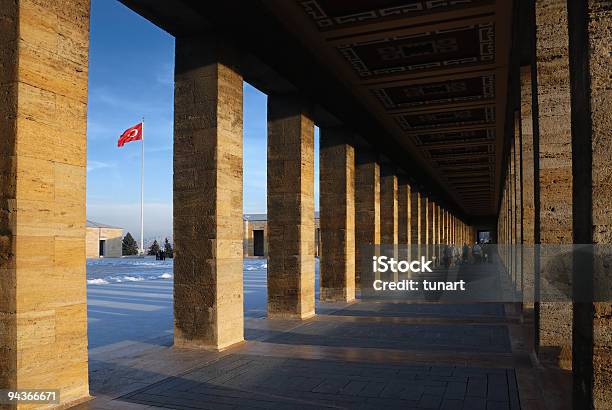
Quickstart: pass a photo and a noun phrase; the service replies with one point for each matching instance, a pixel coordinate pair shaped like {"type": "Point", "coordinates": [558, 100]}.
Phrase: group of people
{"type": "Point", "coordinates": [461, 255]}
{"type": "Point", "coordinates": [160, 255]}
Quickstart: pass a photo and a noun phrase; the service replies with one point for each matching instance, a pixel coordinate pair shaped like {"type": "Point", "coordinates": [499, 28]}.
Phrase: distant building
{"type": "Point", "coordinates": [103, 240]}
{"type": "Point", "coordinates": [256, 234]}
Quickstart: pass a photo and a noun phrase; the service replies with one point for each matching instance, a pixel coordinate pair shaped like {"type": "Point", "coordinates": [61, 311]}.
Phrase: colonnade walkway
{"type": "Point", "coordinates": [366, 354]}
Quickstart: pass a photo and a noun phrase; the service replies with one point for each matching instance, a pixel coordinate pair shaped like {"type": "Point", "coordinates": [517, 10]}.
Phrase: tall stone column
{"type": "Point", "coordinates": [404, 235]}
{"type": "Point", "coordinates": [458, 231]}
{"type": "Point", "coordinates": [367, 204]}
{"type": "Point", "coordinates": [290, 209]}
{"type": "Point", "coordinates": [415, 223]}
{"type": "Point", "coordinates": [389, 214]}
{"type": "Point", "coordinates": [388, 207]}
{"type": "Point", "coordinates": [431, 227]}
{"type": "Point", "coordinates": [337, 215]}
{"type": "Point", "coordinates": [555, 166]}
{"type": "Point", "coordinates": [433, 208]}
{"type": "Point", "coordinates": [444, 226]}
{"type": "Point", "coordinates": [43, 120]}
{"type": "Point", "coordinates": [455, 231]}
{"type": "Point", "coordinates": [590, 25]}
{"type": "Point", "coordinates": [424, 229]}
{"type": "Point", "coordinates": [208, 226]}
{"type": "Point", "coordinates": [439, 240]}
{"type": "Point", "coordinates": [527, 183]}
{"type": "Point", "coordinates": [451, 237]}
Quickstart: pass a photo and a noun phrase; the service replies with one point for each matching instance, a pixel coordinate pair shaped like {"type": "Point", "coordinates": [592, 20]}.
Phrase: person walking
{"type": "Point", "coordinates": [477, 253]}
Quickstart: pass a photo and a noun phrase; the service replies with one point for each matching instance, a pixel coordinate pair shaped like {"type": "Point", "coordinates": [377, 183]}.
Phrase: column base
{"type": "Point", "coordinates": [191, 344]}
{"type": "Point", "coordinates": [288, 316]}
{"type": "Point", "coordinates": [335, 295]}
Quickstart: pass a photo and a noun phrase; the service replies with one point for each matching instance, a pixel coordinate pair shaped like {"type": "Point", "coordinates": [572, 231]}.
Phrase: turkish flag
{"type": "Point", "coordinates": [131, 134]}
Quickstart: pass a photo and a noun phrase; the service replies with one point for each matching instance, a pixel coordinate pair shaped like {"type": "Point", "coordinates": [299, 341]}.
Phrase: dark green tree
{"type": "Point", "coordinates": [168, 248]}
{"type": "Point", "coordinates": [129, 245]}
{"type": "Point", "coordinates": [154, 248]}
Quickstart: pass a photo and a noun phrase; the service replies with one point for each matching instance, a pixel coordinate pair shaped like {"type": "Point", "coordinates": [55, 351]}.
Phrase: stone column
{"type": "Point", "coordinates": [425, 226]}
{"type": "Point", "coordinates": [449, 239]}
{"type": "Point", "coordinates": [404, 235]}
{"type": "Point", "coordinates": [208, 226]}
{"type": "Point", "coordinates": [43, 120]}
{"type": "Point", "coordinates": [434, 236]}
{"type": "Point", "coordinates": [449, 220]}
{"type": "Point", "coordinates": [458, 231]}
{"type": "Point", "coordinates": [415, 223]}
{"type": "Point", "coordinates": [439, 240]}
{"type": "Point", "coordinates": [290, 209]}
{"type": "Point", "coordinates": [367, 204]}
{"type": "Point", "coordinates": [415, 216]}
{"type": "Point", "coordinates": [555, 165]}
{"type": "Point", "coordinates": [388, 207]}
{"type": "Point", "coordinates": [337, 215]}
{"type": "Point", "coordinates": [445, 233]}
{"type": "Point", "coordinates": [527, 182]}
{"type": "Point", "coordinates": [590, 25]}
{"type": "Point", "coordinates": [388, 214]}
{"type": "Point", "coordinates": [431, 227]}
{"type": "Point", "coordinates": [433, 209]}
{"type": "Point", "coordinates": [455, 234]}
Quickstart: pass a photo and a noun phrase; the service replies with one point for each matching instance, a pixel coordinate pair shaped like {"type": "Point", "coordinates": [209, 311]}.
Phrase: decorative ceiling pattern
{"type": "Point", "coordinates": [481, 88]}
{"type": "Point", "coordinates": [332, 14]}
{"type": "Point", "coordinates": [446, 119]}
{"type": "Point", "coordinates": [432, 71]}
{"type": "Point", "coordinates": [427, 51]}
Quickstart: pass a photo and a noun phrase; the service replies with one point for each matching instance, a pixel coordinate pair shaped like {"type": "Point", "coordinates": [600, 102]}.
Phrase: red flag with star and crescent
{"type": "Point", "coordinates": [131, 134]}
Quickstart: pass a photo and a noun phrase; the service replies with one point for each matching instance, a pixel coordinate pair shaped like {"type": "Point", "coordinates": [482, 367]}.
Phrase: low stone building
{"type": "Point", "coordinates": [256, 234]}
{"type": "Point", "coordinates": [103, 241]}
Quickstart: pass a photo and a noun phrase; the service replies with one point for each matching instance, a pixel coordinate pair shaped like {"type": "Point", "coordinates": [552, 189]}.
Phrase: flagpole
{"type": "Point", "coordinates": [142, 192]}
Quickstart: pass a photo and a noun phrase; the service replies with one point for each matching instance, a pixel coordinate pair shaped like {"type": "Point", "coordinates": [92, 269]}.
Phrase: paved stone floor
{"type": "Point", "coordinates": [365, 355]}
{"type": "Point", "coordinates": [252, 381]}
{"type": "Point", "coordinates": [336, 360]}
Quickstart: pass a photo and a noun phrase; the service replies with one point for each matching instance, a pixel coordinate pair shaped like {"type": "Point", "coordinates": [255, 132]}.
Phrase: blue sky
{"type": "Point", "coordinates": [131, 66]}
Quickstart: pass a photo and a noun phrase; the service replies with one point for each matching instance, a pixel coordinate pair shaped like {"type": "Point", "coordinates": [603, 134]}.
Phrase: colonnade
{"type": "Point", "coordinates": [363, 201]}
{"type": "Point", "coordinates": [559, 196]}
{"type": "Point", "coordinates": [556, 190]}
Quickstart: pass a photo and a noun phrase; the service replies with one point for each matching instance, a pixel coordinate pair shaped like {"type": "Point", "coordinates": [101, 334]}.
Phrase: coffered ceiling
{"type": "Point", "coordinates": [433, 72]}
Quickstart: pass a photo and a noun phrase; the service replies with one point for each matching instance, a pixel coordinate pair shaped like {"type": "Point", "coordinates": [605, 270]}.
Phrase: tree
{"type": "Point", "coordinates": [168, 249]}
{"type": "Point", "coordinates": [154, 248]}
{"type": "Point", "coordinates": [129, 245]}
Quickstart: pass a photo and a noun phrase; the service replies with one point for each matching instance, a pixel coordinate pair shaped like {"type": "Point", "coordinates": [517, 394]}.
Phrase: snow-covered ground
{"type": "Point", "coordinates": [130, 299]}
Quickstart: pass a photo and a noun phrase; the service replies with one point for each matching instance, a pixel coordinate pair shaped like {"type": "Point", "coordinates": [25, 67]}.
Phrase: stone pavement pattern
{"type": "Point", "coordinates": [336, 360]}
{"type": "Point", "coordinates": [251, 381]}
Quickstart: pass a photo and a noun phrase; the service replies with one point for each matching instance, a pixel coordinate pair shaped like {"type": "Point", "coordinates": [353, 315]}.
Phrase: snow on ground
{"type": "Point", "coordinates": [130, 299]}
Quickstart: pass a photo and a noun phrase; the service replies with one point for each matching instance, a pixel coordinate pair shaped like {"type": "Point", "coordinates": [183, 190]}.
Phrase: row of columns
{"type": "Point", "coordinates": [556, 190]}
{"type": "Point", "coordinates": [42, 200]}
{"type": "Point", "coordinates": [362, 202]}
